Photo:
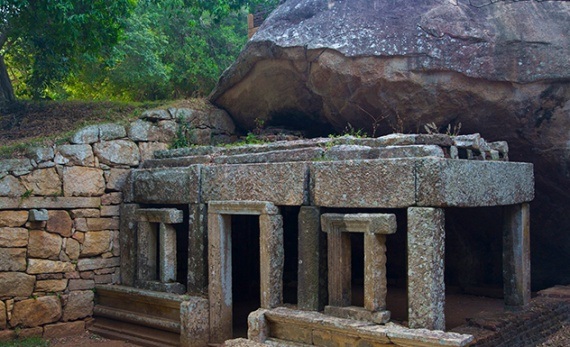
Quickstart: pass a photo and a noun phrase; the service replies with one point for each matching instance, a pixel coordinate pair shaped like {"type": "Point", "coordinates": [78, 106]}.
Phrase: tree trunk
{"type": "Point", "coordinates": [6, 90]}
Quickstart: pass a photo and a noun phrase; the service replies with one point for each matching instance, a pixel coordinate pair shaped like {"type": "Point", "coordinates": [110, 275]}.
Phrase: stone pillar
{"type": "Point", "coordinates": [197, 249]}
{"type": "Point", "coordinates": [426, 287]}
{"type": "Point", "coordinates": [167, 253]}
{"type": "Point", "coordinates": [375, 283]}
{"type": "Point", "coordinates": [194, 322]}
{"type": "Point", "coordinates": [220, 277]}
{"type": "Point", "coordinates": [312, 271]}
{"type": "Point", "coordinates": [128, 243]}
{"type": "Point", "coordinates": [271, 258]}
{"type": "Point", "coordinates": [147, 241]}
{"type": "Point", "coordinates": [516, 256]}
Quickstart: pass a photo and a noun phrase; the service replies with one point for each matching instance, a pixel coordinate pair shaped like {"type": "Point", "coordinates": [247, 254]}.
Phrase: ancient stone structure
{"type": "Point", "coordinates": [161, 240]}
{"type": "Point", "coordinates": [500, 68]}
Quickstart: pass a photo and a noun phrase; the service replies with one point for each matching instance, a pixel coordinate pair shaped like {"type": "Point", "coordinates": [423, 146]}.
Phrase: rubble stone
{"type": "Point", "coordinates": [11, 186]}
{"type": "Point", "coordinates": [78, 305]}
{"type": "Point", "coordinates": [13, 259]}
{"type": "Point", "coordinates": [40, 266]}
{"type": "Point", "coordinates": [81, 155]}
{"type": "Point", "coordinates": [63, 329]}
{"type": "Point", "coordinates": [13, 218]}
{"type": "Point", "coordinates": [96, 243]}
{"type": "Point", "coordinates": [51, 286]}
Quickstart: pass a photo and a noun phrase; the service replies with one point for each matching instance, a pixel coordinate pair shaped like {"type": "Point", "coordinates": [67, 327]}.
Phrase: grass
{"type": "Point", "coordinates": [26, 342]}
{"type": "Point", "coordinates": [27, 124]}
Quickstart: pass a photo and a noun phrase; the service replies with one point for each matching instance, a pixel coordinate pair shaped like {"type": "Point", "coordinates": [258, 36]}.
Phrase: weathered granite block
{"type": "Point", "coordinates": [464, 183]}
{"type": "Point", "coordinates": [13, 237]}
{"type": "Point", "coordinates": [78, 305]}
{"type": "Point", "coordinates": [16, 284]}
{"type": "Point", "coordinates": [44, 245]}
{"type": "Point", "coordinates": [11, 186]}
{"type": "Point", "coordinates": [292, 155]}
{"type": "Point", "coordinates": [194, 322]}
{"type": "Point", "coordinates": [97, 263]}
{"type": "Point", "coordinates": [167, 186]}
{"type": "Point", "coordinates": [117, 152]}
{"type": "Point", "coordinates": [147, 243]}
{"type": "Point", "coordinates": [96, 243]}
{"type": "Point", "coordinates": [51, 286]}
{"type": "Point", "coordinates": [111, 131]}
{"type": "Point", "coordinates": [43, 182]}
{"type": "Point", "coordinates": [13, 218]}
{"type": "Point", "coordinates": [272, 258]}
{"type": "Point", "coordinates": [363, 183]}
{"type": "Point", "coordinates": [81, 155]}
{"type": "Point", "coordinates": [516, 256]}
{"type": "Point", "coordinates": [280, 183]}
{"type": "Point", "coordinates": [83, 181]}
{"type": "Point", "coordinates": [59, 222]}
{"type": "Point", "coordinates": [35, 312]}
{"type": "Point", "coordinates": [426, 287]}
{"type": "Point", "coordinates": [40, 266]}
{"type": "Point", "coordinates": [167, 253]}
{"type": "Point", "coordinates": [13, 259]}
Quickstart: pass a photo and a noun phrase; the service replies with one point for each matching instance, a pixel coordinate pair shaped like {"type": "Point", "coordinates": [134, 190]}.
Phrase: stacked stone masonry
{"type": "Point", "coordinates": [60, 217]}
{"type": "Point", "coordinates": [104, 209]}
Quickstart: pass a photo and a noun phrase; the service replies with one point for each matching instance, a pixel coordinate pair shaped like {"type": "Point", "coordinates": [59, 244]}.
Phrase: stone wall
{"type": "Point", "coordinates": [59, 216]}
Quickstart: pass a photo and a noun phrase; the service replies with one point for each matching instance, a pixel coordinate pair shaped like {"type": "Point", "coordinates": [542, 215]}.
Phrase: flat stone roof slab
{"type": "Point", "coordinates": [167, 186]}
{"type": "Point", "coordinates": [467, 183]}
{"type": "Point", "coordinates": [279, 183]}
{"type": "Point", "coordinates": [388, 183]}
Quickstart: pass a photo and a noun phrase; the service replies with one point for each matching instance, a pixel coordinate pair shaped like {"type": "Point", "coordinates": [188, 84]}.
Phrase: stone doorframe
{"type": "Point", "coordinates": [220, 260]}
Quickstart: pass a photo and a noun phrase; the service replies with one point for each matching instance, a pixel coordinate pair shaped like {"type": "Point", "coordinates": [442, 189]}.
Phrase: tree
{"type": "Point", "coordinates": [44, 39]}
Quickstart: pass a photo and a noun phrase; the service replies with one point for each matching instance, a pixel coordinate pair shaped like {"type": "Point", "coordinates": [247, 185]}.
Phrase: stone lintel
{"type": "Point", "coordinates": [358, 313]}
{"type": "Point", "coordinates": [377, 223]}
{"type": "Point", "coordinates": [56, 202]}
{"type": "Point", "coordinates": [160, 215]}
{"type": "Point", "coordinates": [242, 207]}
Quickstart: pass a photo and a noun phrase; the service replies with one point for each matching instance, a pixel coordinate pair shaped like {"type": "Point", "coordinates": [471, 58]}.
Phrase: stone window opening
{"type": "Point", "coordinates": [374, 228]}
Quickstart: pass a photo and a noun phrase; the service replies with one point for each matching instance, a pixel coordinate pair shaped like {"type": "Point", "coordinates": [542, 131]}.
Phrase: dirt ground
{"type": "Point", "coordinates": [88, 339]}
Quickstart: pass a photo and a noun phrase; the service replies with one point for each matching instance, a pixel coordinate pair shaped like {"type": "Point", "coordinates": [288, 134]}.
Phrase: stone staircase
{"type": "Point", "coordinates": [143, 317]}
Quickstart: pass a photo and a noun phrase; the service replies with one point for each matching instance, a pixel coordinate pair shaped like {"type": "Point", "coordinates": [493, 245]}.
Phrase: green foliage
{"type": "Point", "coordinates": [183, 134]}
{"type": "Point", "coordinates": [44, 41]}
{"type": "Point", "coordinates": [171, 49]}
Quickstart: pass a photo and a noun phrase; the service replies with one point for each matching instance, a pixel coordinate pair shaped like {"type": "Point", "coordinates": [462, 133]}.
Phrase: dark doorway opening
{"type": "Point", "coordinates": [291, 252]}
{"type": "Point", "coordinates": [357, 268]}
{"type": "Point", "coordinates": [245, 270]}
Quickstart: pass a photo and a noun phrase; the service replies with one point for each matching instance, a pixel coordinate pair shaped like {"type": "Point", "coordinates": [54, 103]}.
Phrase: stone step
{"type": "Point", "coordinates": [141, 335]}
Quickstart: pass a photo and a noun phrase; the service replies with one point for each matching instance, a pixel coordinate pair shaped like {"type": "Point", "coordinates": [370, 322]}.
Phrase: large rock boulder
{"type": "Point", "coordinates": [498, 68]}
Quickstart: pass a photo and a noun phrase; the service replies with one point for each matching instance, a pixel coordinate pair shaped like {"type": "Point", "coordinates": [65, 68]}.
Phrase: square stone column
{"type": "Point", "coordinates": [147, 241]}
{"type": "Point", "coordinates": [197, 249]}
{"type": "Point", "coordinates": [167, 253]}
{"type": "Point", "coordinates": [128, 243]}
{"type": "Point", "coordinates": [312, 269]}
{"type": "Point", "coordinates": [516, 256]}
{"type": "Point", "coordinates": [374, 227]}
{"type": "Point", "coordinates": [220, 274]}
{"type": "Point", "coordinates": [271, 259]}
{"type": "Point", "coordinates": [426, 249]}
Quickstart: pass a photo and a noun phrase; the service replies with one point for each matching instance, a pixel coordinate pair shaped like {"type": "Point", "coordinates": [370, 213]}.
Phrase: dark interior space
{"type": "Point", "coordinates": [474, 250]}
{"type": "Point", "coordinates": [290, 246]}
{"type": "Point", "coordinates": [182, 247]}
{"type": "Point", "coordinates": [357, 268]}
{"type": "Point", "coordinates": [245, 270]}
